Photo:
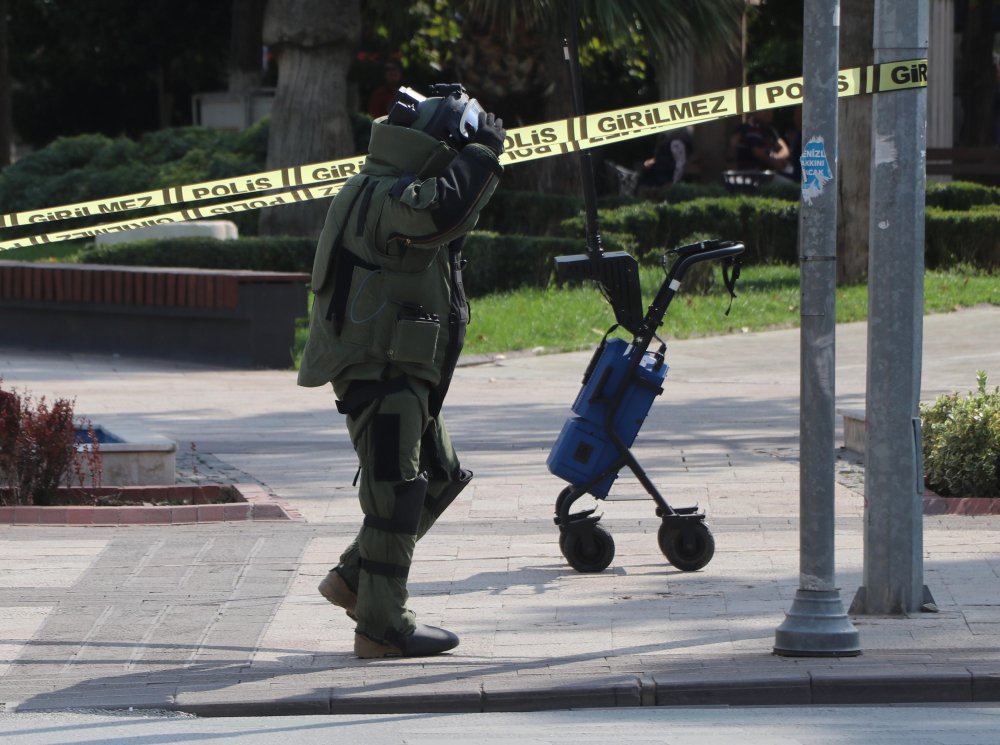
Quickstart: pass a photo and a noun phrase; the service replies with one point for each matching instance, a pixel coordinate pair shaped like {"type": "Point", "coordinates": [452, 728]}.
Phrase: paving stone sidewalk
{"type": "Point", "coordinates": [224, 618]}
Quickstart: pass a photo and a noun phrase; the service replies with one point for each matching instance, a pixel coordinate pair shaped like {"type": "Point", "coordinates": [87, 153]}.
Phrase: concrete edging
{"type": "Point", "coordinates": [873, 685]}
{"type": "Point", "coordinates": [257, 505]}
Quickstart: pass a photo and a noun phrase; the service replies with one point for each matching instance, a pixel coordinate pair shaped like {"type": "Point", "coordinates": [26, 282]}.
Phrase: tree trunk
{"type": "Point", "coordinates": [722, 70]}
{"type": "Point", "coordinates": [246, 45]}
{"type": "Point", "coordinates": [6, 126]}
{"type": "Point", "coordinates": [313, 42]}
{"type": "Point", "coordinates": [164, 98]}
{"type": "Point", "coordinates": [977, 75]}
{"type": "Point", "coordinates": [854, 146]}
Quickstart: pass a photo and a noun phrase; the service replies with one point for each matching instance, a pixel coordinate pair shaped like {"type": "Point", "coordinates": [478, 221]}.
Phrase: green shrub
{"type": "Point", "coordinates": [527, 213]}
{"type": "Point", "coordinates": [961, 443]}
{"type": "Point", "coordinates": [270, 254]}
{"type": "Point", "coordinates": [496, 262]}
{"type": "Point", "coordinates": [72, 169]}
{"type": "Point", "coordinates": [88, 167]}
{"type": "Point", "coordinates": [768, 227]}
{"type": "Point", "coordinates": [680, 192]}
{"type": "Point", "coordinates": [960, 195]}
{"type": "Point", "coordinates": [967, 237]}
{"type": "Point", "coordinates": [506, 262]}
{"type": "Point", "coordinates": [538, 213]}
{"type": "Point", "coordinates": [704, 277]}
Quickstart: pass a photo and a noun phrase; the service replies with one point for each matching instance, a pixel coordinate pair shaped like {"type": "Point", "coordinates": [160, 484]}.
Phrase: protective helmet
{"type": "Point", "coordinates": [448, 115]}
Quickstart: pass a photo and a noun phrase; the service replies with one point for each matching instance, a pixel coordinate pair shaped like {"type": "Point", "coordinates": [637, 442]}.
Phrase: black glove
{"type": "Point", "coordinates": [490, 132]}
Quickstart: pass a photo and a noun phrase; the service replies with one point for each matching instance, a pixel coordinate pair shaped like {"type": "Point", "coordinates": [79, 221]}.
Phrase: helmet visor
{"type": "Point", "coordinates": [469, 122]}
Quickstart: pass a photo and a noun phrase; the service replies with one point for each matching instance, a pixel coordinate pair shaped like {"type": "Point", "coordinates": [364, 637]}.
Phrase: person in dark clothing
{"type": "Point", "coordinates": [758, 145]}
{"type": "Point", "coordinates": [673, 149]}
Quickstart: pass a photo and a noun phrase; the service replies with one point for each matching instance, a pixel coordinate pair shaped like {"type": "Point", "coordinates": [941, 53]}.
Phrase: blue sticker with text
{"type": "Point", "coordinates": [816, 171]}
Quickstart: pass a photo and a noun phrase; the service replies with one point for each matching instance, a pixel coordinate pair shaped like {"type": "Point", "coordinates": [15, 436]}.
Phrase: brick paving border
{"type": "Point", "coordinates": [257, 504]}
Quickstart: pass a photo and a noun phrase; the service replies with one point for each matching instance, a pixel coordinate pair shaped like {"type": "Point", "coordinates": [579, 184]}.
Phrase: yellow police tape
{"type": "Point", "coordinates": [523, 144]}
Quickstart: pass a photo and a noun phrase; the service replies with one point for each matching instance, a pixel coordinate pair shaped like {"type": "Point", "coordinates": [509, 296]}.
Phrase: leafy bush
{"type": "Point", "coordinates": [506, 262]}
{"type": "Point", "coordinates": [38, 449]}
{"type": "Point", "coordinates": [768, 227]}
{"type": "Point", "coordinates": [961, 195]}
{"type": "Point", "coordinates": [527, 212]}
{"type": "Point", "coordinates": [680, 192]}
{"type": "Point", "coordinates": [270, 254]}
{"type": "Point", "coordinates": [496, 262]}
{"type": "Point", "coordinates": [87, 167]}
{"type": "Point", "coordinates": [967, 237]}
{"type": "Point", "coordinates": [538, 213]}
{"type": "Point", "coordinates": [961, 442]}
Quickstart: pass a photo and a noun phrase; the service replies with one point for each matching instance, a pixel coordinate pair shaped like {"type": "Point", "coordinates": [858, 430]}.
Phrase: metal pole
{"type": "Point", "coordinates": [571, 50]}
{"type": "Point", "coordinates": [894, 483]}
{"type": "Point", "coordinates": [817, 625]}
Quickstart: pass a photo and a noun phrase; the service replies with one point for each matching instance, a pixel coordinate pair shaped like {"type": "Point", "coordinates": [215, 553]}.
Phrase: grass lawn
{"type": "Point", "coordinates": [767, 297]}
{"type": "Point", "coordinates": [563, 319]}
{"type": "Point", "coordinates": [58, 252]}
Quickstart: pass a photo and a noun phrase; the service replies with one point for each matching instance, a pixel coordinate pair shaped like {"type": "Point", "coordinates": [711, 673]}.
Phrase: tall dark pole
{"type": "Point", "coordinates": [571, 50]}
{"type": "Point", "coordinates": [816, 624]}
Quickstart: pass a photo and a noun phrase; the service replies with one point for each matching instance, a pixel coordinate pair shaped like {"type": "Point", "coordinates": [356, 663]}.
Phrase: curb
{"type": "Point", "coordinates": [972, 506]}
{"type": "Point", "coordinates": [257, 504]}
{"type": "Point", "coordinates": [876, 685]}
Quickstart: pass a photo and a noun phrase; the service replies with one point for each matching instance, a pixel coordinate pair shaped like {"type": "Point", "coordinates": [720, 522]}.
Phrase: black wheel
{"type": "Point", "coordinates": [587, 550]}
{"type": "Point", "coordinates": [563, 496]}
{"type": "Point", "coordinates": [688, 545]}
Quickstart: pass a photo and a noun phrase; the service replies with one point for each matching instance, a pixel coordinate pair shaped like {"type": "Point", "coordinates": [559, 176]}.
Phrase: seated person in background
{"type": "Point", "coordinates": [758, 145]}
{"type": "Point", "coordinates": [669, 158]}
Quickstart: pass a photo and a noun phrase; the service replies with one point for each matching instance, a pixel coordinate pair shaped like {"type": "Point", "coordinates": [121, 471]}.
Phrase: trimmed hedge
{"type": "Point", "coordinates": [263, 254]}
{"type": "Point", "coordinates": [538, 213]}
{"type": "Point", "coordinates": [93, 166]}
{"type": "Point", "coordinates": [768, 227]}
{"type": "Point", "coordinates": [961, 195]}
{"type": "Point", "coordinates": [496, 263]}
{"type": "Point", "coordinates": [86, 167]}
{"type": "Point", "coordinates": [527, 212]}
{"type": "Point", "coordinates": [962, 237]}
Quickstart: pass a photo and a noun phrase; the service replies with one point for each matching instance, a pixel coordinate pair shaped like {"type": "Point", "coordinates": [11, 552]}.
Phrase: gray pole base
{"type": "Point", "coordinates": [860, 606]}
{"type": "Point", "coordinates": [817, 626]}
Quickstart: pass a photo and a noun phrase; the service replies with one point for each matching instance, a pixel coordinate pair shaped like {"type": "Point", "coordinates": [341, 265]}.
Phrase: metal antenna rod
{"type": "Point", "coordinates": [571, 51]}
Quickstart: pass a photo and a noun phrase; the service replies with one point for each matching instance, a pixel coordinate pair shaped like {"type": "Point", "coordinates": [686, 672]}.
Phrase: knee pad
{"type": "Point", "coordinates": [459, 480]}
{"type": "Point", "coordinates": [409, 503]}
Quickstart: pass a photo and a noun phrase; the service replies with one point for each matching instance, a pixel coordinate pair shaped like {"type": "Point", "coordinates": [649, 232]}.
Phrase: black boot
{"type": "Point", "coordinates": [423, 642]}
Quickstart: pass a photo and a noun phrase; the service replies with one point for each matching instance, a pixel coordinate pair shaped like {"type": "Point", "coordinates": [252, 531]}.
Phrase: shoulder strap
{"type": "Point", "coordinates": [342, 283]}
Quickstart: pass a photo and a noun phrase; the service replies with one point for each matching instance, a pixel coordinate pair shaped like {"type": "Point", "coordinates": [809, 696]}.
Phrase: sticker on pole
{"type": "Point", "coordinates": [816, 172]}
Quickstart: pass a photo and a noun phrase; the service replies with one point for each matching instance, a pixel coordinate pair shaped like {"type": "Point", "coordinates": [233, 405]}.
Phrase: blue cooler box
{"type": "Point", "coordinates": [583, 448]}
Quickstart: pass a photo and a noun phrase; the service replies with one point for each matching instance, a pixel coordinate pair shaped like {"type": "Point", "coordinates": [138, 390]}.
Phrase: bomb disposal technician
{"type": "Point", "coordinates": [387, 327]}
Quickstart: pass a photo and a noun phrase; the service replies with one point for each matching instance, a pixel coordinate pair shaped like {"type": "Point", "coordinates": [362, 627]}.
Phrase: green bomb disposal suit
{"type": "Point", "coordinates": [387, 327]}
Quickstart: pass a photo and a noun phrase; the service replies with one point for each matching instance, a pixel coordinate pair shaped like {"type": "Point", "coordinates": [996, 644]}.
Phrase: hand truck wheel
{"type": "Point", "coordinates": [588, 549]}
{"type": "Point", "coordinates": [688, 545]}
{"type": "Point", "coordinates": [563, 496]}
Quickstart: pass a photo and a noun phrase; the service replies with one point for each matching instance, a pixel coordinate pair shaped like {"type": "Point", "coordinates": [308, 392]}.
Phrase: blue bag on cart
{"type": "Point", "coordinates": [584, 448]}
